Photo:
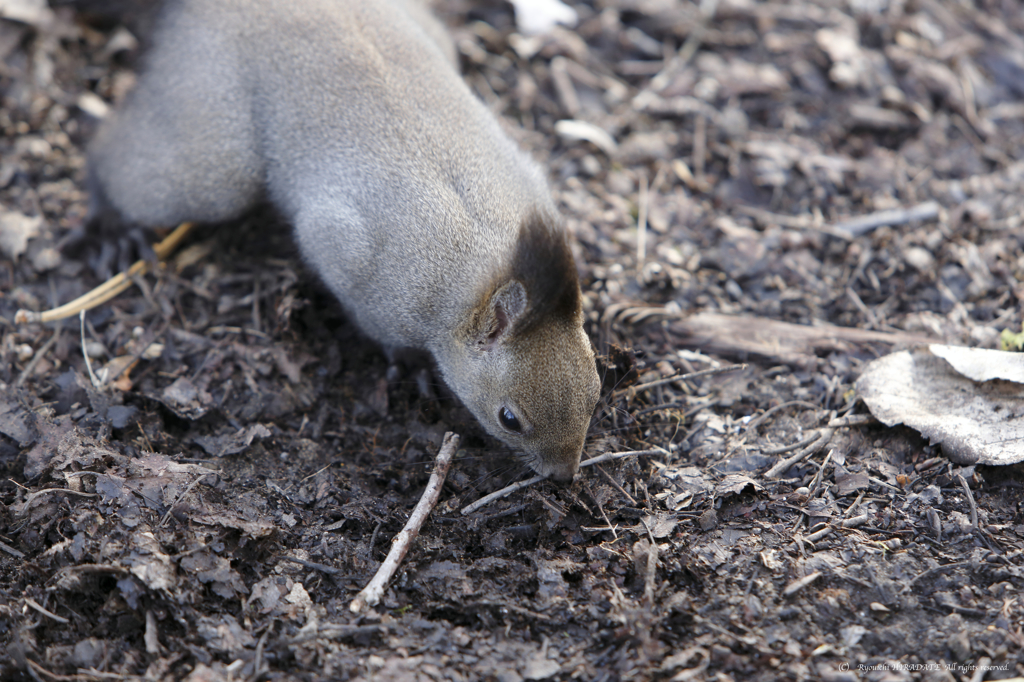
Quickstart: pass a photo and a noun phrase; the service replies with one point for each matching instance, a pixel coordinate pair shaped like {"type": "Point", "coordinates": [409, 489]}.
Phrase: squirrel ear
{"type": "Point", "coordinates": [507, 304]}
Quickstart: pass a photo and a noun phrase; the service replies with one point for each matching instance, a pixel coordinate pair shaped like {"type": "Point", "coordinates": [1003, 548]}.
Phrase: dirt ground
{"type": "Point", "coordinates": [210, 506]}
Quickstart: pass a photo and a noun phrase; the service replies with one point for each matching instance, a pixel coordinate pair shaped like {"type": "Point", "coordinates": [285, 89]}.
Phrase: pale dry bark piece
{"type": "Point", "coordinates": [573, 131]}
{"type": "Point", "coordinates": [791, 344]}
{"type": "Point", "coordinates": [15, 230]}
{"type": "Point", "coordinates": [976, 422]}
{"type": "Point", "coordinates": [536, 17]}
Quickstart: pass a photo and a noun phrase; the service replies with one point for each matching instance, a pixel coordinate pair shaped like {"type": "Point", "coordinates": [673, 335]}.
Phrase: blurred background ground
{"type": "Point", "coordinates": [713, 162]}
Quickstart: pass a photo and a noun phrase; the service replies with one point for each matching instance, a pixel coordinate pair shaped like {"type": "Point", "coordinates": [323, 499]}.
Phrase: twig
{"type": "Point", "coordinates": [678, 62]}
{"type": "Point", "coordinates": [611, 456]}
{"type": "Point", "coordinates": [850, 420]}
{"type": "Point", "coordinates": [259, 668]}
{"type": "Point", "coordinates": [853, 507]}
{"type": "Point", "coordinates": [13, 552]}
{"type": "Point", "coordinates": [652, 567]}
{"type": "Point", "coordinates": [96, 383]}
{"type": "Point", "coordinates": [181, 497]}
{"type": "Point", "coordinates": [855, 227]}
{"type": "Point", "coordinates": [241, 331]}
{"type": "Point", "coordinates": [36, 670]}
{"type": "Point", "coordinates": [109, 289]}
{"type": "Point", "coordinates": [796, 222]}
{"type": "Point", "coordinates": [882, 484]}
{"type": "Point", "coordinates": [564, 88]}
{"type": "Point", "coordinates": [371, 595]}
{"type": "Point", "coordinates": [760, 419]}
{"type": "Point", "coordinates": [822, 441]}
{"type": "Point", "coordinates": [854, 521]}
{"type": "Point", "coordinates": [801, 222]}
{"type": "Point", "coordinates": [508, 490]}
{"type": "Point", "coordinates": [970, 501]}
{"type": "Point", "coordinates": [800, 583]}
{"type": "Point", "coordinates": [151, 638]}
{"type": "Point", "coordinates": [838, 423]}
{"type": "Point", "coordinates": [794, 446]}
{"type": "Point", "coordinates": [46, 491]}
{"type": "Point", "coordinates": [504, 492]}
{"type": "Point", "coordinates": [862, 307]}
{"type": "Point", "coordinates": [45, 612]}
{"type": "Point", "coordinates": [43, 350]}
{"type": "Point", "coordinates": [633, 390]}
{"type": "Point", "coordinates": [935, 571]}
{"type": "Point", "coordinates": [600, 507]}
{"type": "Point", "coordinates": [615, 485]}
{"type": "Point", "coordinates": [819, 534]}
{"type": "Point", "coordinates": [818, 477]}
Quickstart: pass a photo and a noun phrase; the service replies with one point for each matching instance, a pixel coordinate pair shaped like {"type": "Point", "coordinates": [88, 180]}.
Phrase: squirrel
{"type": "Point", "coordinates": [426, 221]}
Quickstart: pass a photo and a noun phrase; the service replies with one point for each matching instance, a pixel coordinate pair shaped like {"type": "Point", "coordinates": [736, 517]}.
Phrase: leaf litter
{"type": "Point", "coordinates": [801, 187]}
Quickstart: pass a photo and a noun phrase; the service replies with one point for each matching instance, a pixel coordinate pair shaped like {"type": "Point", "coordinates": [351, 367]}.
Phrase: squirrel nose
{"type": "Point", "coordinates": [563, 476]}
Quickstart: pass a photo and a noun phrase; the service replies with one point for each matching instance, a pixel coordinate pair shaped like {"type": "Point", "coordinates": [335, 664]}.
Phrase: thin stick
{"type": "Point", "coordinates": [652, 567]}
{"type": "Point", "coordinates": [935, 571]}
{"type": "Point", "coordinates": [49, 614]}
{"type": "Point", "coordinates": [633, 390]}
{"type": "Point", "coordinates": [855, 227]}
{"type": "Point", "coordinates": [112, 287]}
{"type": "Point", "coordinates": [600, 507]}
{"type": "Point", "coordinates": [760, 419]}
{"type": "Point", "coordinates": [816, 482]}
{"type": "Point", "coordinates": [371, 594]}
{"type": "Point", "coordinates": [181, 497]}
{"type": "Point", "coordinates": [37, 357]}
{"type": "Point", "coordinates": [795, 446]}
{"type": "Point", "coordinates": [498, 494]}
{"type": "Point", "coordinates": [610, 456]}
{"type": "Point", "coordinates": [850, 420]}
{"type": "Point", "coordinates": [970, 500]}
{"type": "Point", "coordinates": [508, 490]}
{"type": "Point", "coordinates": [615, 485]}
{"type": "Point", "coordinates": [96, 383]}
{"type": "Point", "coordinates": [13, 552]}
{"type": "Point", "coordinates": [824, 437]}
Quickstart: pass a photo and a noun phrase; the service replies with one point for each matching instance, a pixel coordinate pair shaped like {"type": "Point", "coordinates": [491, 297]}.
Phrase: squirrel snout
{"type": "Point", "coordinates": [563, 475]}
{"type": "Point", "coordinates": [558, 462]}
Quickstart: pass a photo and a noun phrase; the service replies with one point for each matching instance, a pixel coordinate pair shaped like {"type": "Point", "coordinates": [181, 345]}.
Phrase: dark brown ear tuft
{"type": "Point", "coordinates": [543, 263]}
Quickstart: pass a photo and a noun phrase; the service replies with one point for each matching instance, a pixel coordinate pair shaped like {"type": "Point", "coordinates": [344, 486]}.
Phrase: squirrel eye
{"type": "Point", "coordinates": [509, 420]}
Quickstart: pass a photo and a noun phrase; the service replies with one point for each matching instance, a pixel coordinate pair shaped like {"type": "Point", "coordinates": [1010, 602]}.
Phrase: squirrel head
{"type": "Point", "coordinates": [523, 364]}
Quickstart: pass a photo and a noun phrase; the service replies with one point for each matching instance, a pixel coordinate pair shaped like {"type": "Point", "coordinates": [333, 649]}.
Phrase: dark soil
{"type": "Point", "coordinates": [212, 508]}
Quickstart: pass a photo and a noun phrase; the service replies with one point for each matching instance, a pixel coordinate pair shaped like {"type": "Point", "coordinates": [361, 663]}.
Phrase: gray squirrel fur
{"type": "Point", "coordinates": [433, 229]}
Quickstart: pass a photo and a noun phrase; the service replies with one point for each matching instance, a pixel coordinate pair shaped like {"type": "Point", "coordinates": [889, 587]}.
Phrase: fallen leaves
{"type": "Point", "coordinates": [969, 400]}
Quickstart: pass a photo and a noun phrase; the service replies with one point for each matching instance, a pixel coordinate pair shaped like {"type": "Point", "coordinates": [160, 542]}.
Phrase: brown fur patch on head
{"type": "Point", "coordinates": [544, 265]}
